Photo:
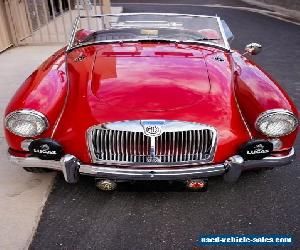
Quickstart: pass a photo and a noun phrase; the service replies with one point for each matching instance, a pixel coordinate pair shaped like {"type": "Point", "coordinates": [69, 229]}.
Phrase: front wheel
{"type": "Point", "coordinates": [37, 170]}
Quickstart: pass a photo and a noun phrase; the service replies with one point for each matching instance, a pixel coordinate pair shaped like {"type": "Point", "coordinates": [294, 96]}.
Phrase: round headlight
{"type": "Point", "coordinates": [26, 123]}
{"type": "Point", "coordinates": [276, 123]}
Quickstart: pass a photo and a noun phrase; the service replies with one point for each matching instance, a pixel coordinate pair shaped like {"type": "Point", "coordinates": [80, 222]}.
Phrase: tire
{"type": "Point", "coordinates": [37, 170]}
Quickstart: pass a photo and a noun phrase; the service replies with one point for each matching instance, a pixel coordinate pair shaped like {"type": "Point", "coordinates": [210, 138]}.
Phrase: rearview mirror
{"type": "Point", "coordinates": [253, 48]}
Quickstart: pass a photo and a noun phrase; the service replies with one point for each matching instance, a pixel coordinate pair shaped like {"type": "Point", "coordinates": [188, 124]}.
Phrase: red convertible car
{"type": "Point", "coordinates": [150, 97]}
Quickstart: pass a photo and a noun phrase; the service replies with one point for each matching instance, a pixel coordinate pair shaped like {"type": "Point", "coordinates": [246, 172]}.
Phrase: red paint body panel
{"type": "Point", "coordinates": [172, 87]}
{"type": "Point", "coordinates": [257, 92]}
{"type": "Point", "coordinates": [45, 91]}
{"type": "Point", "coordinates": [150, 81]}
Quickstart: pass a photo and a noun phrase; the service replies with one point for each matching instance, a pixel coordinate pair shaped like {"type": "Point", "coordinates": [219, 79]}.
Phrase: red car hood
{"type": "Point", "coordinates": [151, 81]}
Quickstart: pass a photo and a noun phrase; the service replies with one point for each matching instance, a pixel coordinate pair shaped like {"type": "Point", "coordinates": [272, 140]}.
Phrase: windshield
{"type": "Point", "coordinates": [147, 27]}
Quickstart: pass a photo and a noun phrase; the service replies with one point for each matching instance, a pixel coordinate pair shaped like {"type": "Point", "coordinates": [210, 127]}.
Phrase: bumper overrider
{"type": "Point", "coordinates": [230, 169]}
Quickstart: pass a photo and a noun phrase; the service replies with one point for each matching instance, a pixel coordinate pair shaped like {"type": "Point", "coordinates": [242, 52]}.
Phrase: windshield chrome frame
{"type": "Point", "coordinates": [226, 46]}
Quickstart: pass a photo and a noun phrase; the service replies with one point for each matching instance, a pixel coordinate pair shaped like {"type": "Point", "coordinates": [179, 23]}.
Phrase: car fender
{"type": "Point", "coordinates": [257, 92]}
{"type": "Point", "coordinates": [44, 91]}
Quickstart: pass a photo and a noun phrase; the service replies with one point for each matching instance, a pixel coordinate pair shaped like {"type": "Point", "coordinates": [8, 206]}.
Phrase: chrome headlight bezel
{"type": "Point", "coordinates": [272, 112]}
{"type": "Point", "coordinates": [38, 116]}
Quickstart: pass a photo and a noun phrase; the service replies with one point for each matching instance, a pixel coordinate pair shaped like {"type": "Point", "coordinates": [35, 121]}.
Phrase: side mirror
{"type": "Point", "coordinates": [253, 49]}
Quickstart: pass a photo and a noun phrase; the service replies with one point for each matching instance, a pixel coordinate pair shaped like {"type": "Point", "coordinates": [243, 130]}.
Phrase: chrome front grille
{"type": "Point", "coordinates": [115, 145]}
{"type": "Point", "coordinates": [125, 142]}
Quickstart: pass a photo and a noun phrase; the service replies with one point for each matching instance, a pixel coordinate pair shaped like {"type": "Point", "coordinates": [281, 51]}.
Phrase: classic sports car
{"type": "Point", "coordinates": [150, 97]}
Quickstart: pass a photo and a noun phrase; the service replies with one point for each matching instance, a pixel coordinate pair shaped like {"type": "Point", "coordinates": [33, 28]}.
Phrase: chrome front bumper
{"type": "Point", "coordinates": [230, 169]}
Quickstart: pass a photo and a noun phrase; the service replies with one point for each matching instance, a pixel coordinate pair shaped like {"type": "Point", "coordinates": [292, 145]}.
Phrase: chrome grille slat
{"type": "Point", "coordinates": [143, 147]}
{"type": "Point", "coordinates": [199, 144]}
{"type": "Point", "coordinates": [204, 142]}
{"type": "Point", "coordinates": [122, 153]}
{"type": "Point", "coordinates": [118, 145]}
{"type": "Point", "coordinates": [138, 147]}
{"type": "Point", "coordinates": [126, 148]}
{"type": "Point", "coordinates": [165, 139]}
{"type": "Point", "coordinates": [111, 146]}
{"type": "Point", "coordinates": [192, 145]}
{"type": "Point", "coordinates": [169, 137]}
{"type": "Point", "coordinates": [181, 146]}
{"type": "Point", "coordinates": [97, 140]}
{"type": "Point", "coordinates": [185, 149]}
{"type": "Point", "coordinates": [105, 147]}
{"type": "Point", "coordinates": [176, 148]}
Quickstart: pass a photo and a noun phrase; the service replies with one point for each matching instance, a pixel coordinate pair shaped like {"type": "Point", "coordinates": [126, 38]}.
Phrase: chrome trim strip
{"type": "Point", "coordinates": [73, 33]}
{"type": "Point", "coordinates": [223, 33]}
{"type": "Point", "coordinates": [152, 147]}
{"type": "Point", "coordinates": [33, 162]}
{"type": "Point", "coordinates": [276, 158]}
{"type": "Point", "coordinates": [147, 13]}
{"type": "Point", "coordinates": [59, 117]}
{"type": "Point", "coordinates": [243, 118]}
{"type": "Point", "coordinates": [154, 173]}
{"type": "Point", "coordinates": [204, 43]}
{"type": "Point", "coordinates": [168, 126]}
{"type": "Point", "coordinates": [271, 161]}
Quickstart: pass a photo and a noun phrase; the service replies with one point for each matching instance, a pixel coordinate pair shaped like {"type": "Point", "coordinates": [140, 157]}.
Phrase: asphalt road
{"type": "Point", "coordinates": [166, 216]}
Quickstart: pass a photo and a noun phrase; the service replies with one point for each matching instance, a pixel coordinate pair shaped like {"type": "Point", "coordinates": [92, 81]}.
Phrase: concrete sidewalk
{"type": "Point", "coordinates": [22, 194]}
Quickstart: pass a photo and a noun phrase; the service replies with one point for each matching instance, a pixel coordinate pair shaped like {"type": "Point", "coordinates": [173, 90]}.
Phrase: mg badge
{"type": "Point", "coordinates": [152, 128]}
